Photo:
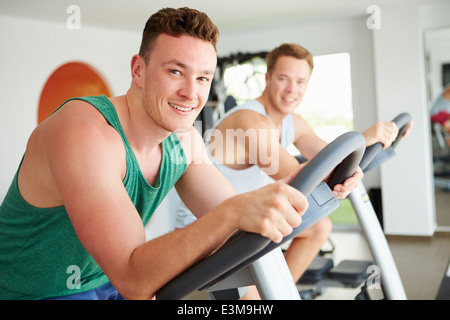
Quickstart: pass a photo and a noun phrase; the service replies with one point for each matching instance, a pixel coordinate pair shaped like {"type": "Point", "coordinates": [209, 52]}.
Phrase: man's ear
{"type": "Point", "coordinates": [267, 76]}
{"type": "Point", "coordinates": [137, 70]}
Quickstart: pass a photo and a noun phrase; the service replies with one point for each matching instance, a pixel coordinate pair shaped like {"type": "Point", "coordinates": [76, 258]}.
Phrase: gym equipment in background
{"type": "Point", "coordinates": [267, 268]}
{"type": "Point", "coordinates": [351, 273]}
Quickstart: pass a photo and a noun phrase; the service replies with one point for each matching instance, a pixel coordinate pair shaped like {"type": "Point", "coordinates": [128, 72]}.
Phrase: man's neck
{"type": "Point", "coordinates": [275, 115]}
{"type": "Point", "coordinates": [141, 131]}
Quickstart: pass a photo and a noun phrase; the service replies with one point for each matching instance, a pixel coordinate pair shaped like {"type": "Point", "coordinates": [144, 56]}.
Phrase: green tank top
{"type": "Point", "coordinates": [40, 254]}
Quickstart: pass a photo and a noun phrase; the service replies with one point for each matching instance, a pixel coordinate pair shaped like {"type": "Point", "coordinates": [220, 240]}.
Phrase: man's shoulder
{"type": "Point", "coordinates": [76, 125]}
{"type": "Point", "coordinates": [245, 119]}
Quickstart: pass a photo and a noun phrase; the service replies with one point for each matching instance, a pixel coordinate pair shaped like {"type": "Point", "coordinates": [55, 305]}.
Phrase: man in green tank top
{"type": "Point", "coordinates": [72, 223]}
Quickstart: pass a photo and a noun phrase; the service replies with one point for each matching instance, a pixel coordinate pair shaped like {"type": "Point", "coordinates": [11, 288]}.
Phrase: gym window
{"type": "Point", "coordinates": [327, 104]}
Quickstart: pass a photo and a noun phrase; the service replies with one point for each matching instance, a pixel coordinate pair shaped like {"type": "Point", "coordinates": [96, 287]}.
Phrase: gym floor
{"type": "Point", "coordinates": [442, 209]}
{"type": "Point", "coordinates": [421, 262]}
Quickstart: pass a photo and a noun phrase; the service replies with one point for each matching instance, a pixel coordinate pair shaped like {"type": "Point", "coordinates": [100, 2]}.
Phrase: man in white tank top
{"type": "Point", "coordinates": [249, 145]}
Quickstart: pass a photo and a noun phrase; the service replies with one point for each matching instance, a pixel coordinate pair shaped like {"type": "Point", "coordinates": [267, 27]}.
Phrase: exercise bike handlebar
{"type": "Point", "coordinates": [321, 164]}
{"type": "Point", "coordinates": [403, 122]}
{"type": "Point", "coordinates": [375, 155]}
{"type": "Point", "coordinates": [341, 157]}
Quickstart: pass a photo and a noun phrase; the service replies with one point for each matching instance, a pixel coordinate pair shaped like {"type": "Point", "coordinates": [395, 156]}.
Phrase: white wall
{"type": "Point", "coordinates": [31, 51]}
{"type": "Point", "coordinates": [400, 83]}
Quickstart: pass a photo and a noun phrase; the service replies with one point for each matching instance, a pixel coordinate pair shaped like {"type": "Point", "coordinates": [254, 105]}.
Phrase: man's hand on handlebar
{"type": "Point", "coordinates": [343, 190]}
{"type": "Point", "coordinates": [271, 211]}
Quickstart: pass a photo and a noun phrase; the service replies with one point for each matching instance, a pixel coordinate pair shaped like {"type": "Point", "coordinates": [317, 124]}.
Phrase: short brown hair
{"type": "Point", "coordinates": [290, 50]}
{"type": "Point", "coordinates": [177, 22]}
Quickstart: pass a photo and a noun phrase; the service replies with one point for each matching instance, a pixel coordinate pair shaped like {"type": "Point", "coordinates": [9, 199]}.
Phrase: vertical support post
{"type": "Point", "coordinates": [390, 278]}
{"type": "Point", "coordinates": [273, 278]}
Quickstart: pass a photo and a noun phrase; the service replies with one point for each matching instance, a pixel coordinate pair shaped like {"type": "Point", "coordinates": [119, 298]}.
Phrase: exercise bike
{"type": "Point", "coordinates": [250, 259]}
{"type": "Point", "coordinates": [381, 274]}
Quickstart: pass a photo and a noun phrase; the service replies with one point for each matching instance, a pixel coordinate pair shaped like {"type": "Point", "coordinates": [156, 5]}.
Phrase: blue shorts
{"type": "Point", "coordinates": [105, 292]}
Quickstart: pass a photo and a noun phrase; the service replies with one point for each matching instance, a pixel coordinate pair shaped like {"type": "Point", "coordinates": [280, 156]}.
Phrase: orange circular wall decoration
{"type": "Point", "coordinates": [73, 79]}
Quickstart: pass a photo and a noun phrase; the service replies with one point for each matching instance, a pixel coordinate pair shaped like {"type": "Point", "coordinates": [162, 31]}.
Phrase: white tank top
{"type": "Point", "coordinates": [243, 180]}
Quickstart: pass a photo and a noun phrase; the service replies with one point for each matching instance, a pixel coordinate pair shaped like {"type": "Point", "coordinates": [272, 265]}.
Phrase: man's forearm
{"type": "Point", "coordinates": [156, 262]}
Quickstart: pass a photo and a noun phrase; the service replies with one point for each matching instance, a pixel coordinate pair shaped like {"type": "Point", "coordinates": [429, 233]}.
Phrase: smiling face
{"type": "Point", "coordinates": [286, 83]}
{"type": "Point", "coordinates": [176, 80]}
